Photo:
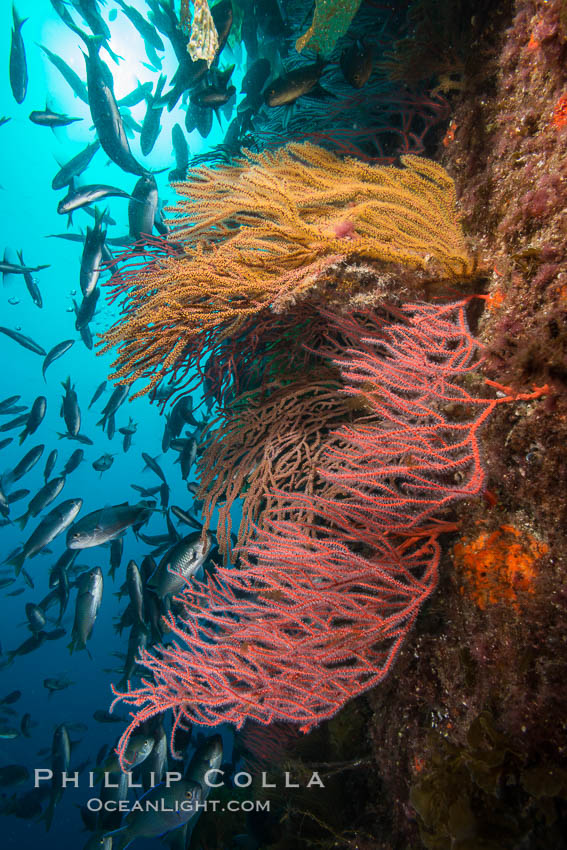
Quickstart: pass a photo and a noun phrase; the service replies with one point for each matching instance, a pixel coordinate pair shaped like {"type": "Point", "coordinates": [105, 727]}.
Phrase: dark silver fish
{"type": "Point", "coordinates": [85, 195]}
{"type": "Point", "coordinates": [142, 208]}
{"type": "Point", "coordinates": [105, 717]}
{"type": "Point", "coordinates": [187, 457]}
{"type": "Point", "coordinates": [89, 597]}
{"type": "Point", "coordinates": [104, 524]}
{"type": "Point", "coordinates": [54, 353]}
{"type": "Point", "coordinates": [160, 812]}
{"type": "Point", "coordinates": [26, 725]}
{"type": "Point", "coordinates": [179, 564]}
{"type": "Point", "coordinates": [148, 32]}
{"type": "Point", "coordinates": [17, 495]}
{"type": "Point", "coordinates": [70, 410]}
{"type": "Point", "coordinates": [207, 757]}
{"type": "Point", "coordinates": [137, 750]}
{"type": "Point", "coordinates": [128, 432]}
{"type": "Point", "coordinates": [47, 118]}
{"type": "Point", "coordinates": [6, 267]}
{"type": "Point", "coordinates": [213, 96]}
{"type": "Point", "coordinates": [155, 766]}
{"type": "Point", "coordinates": [95, 21]}
{"type": "Point", "coordinates": [91, 259]}
{"type": "Point", "coordinates": [75, 459]}
{"type": "Point", "coordinates": [116, 548]}
{"type": "Point", "coordinates": [75, 166]}
{"type": "Point", "coordinates": [53, 524]}
{"type": "Point", "coordinates": [47, 494]}
{"type": "Point", "coordinates": [56, 683]}
{"type": "Point", "coordinates": [117, 398]}
{"type": "Point", "coordinates": [87, 337]}
{"type": "Point", "coordinates": [104, 111]}
{"type": "Point", "coordinates": [4, 503]}
{"type": "Point", "coordinates": [137, 641]}
{"type": "Point", "coordinates": [141, 92]}
{"type": "Point", "coordinates": [70, 76]}
{"type": "Point", "coordinates": [86, 309]}
{"type": "Point", "coordinates": [80, 438]}
{"type": "Point", "coordinates": [50, 464]}
{"type": "Point", "coordinates": [24, 341]}
{"type": "Point", "coordinates": [135, 592]}
{"type": "Point", "coordinates": [97, 393]}
{"type": "Point", "coordinates": [35, 417]}
{"type": "Point", "coordinates": [152, 119]}
{"type": "Point", "coordinates": [185, 517]}
{"type": "Point", "coordinates": [18, 63]}
{"type": "Point", "coordinates": [36, 617]}
{"type": "Point", "coordinates": [289, 87]}
{"type": "Point", "coordinates": [31, 283]}
{"type": "Point", "coordinates": [356, 63]}
{"type": "Point", "coordinates": [13, 774]}
{"type": "Point", "coordinates": [28, 461]}
{"type": "Point", "coordinates": [151, 463]}
{"type": "Point", "coordinates": [60, 757]}
{"type": "Point", "coordinates": [103, 463]}
{"type": "Point", "coordinates": [9, 402]}
{"type": "Point", "coordinates": [14, 423]}
{"type": "Point", "coordinates": [181, 149]}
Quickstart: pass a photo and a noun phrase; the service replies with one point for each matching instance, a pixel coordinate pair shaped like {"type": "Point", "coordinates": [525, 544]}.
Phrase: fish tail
{"type": "Point", "coordinates": [160, 85]}
{"type": "Point", "coordinates": [18, 22]}
{"type": "Point", "coordinates": [22, 520]}
{"type": "Point", "coordinates": [99, 217]}
{"type": "Point", "coordinates": [47, 816]}
{"type": "Point", "coordinates": [71, 646]}
{"type": "Point", "coordinates": [18, 562]}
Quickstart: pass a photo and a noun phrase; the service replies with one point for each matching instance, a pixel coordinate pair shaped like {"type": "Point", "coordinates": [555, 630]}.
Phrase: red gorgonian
{"type": "Point", "coordinates": [318, 611]}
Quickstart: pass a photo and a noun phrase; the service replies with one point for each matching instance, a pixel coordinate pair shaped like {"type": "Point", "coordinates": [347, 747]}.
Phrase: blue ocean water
{"type": "Point", "coordinates": [30, 157]}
